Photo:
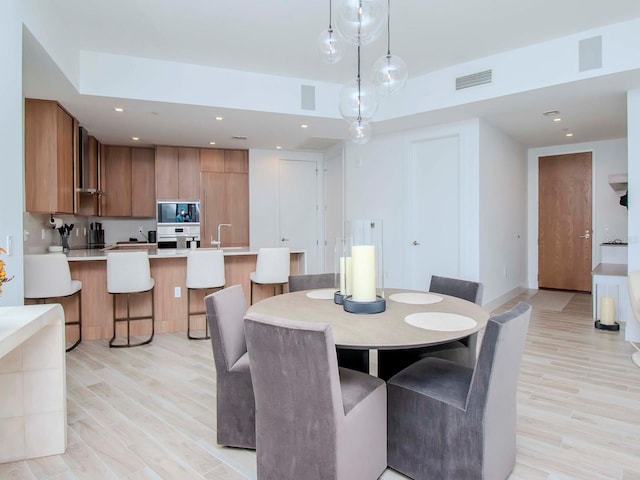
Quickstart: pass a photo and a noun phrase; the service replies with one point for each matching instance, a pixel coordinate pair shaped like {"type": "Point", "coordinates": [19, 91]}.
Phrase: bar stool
{"type": "Point", "coordinates": [129, 273]}
{"type": "Point", "coordinates": [205, 271]}
{"type": "Point", "coordinates": [47, 277]}
{"type": "Point", "coordinates": [272, 268]}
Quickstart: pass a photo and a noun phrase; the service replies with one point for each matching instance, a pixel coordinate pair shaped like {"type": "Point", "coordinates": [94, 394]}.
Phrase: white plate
{"type": "Point", "coordinates": [440, 321]}
{"type": "Point", "coordinates": [415, 298]}
{"type": "Point", "coordinates": [324, 294]}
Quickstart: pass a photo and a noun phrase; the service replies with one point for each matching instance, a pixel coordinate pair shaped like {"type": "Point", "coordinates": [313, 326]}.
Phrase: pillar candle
{"type": "Point", "coordinates": [363, 267]}
{"type": "Point", "coordinates": [607, 310]}
{"type": "Point", "coordinates": [346, 276]}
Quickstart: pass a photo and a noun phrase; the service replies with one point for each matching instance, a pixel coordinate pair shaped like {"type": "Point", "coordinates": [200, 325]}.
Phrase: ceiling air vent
{"type": "Point", "coordinates": [474, 79]}
{"type": "Point", "coordinates": [238, 137]}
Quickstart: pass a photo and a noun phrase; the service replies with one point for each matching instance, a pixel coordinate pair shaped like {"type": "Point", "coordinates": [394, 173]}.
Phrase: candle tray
{"type": "Point", "coordinates": [604, 326]}
{"type": "Point", "coordinates": [379, 305]}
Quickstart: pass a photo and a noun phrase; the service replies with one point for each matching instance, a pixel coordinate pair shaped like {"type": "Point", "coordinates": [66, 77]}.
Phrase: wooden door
{"type": "Point", "coordinates": [237, 210]}
{"type": "Point", "coordinates": [564, 222]}
{"type": "Point", "coordinates": [143, 186]}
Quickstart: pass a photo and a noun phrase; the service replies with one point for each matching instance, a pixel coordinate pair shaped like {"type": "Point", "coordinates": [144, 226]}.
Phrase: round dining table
{"type": "Point", "coordinates": [411, 318]}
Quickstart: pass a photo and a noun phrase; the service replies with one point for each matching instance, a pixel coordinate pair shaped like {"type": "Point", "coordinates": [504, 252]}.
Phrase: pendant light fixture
{"type": "Point", "coordinates": [360, 22]}
{"type": "Point", "coordinates": [329, 44]}
{"type": "Point", "coordinates": [389, 72]}
{"type": "Point", "coordinates": [360, 129]}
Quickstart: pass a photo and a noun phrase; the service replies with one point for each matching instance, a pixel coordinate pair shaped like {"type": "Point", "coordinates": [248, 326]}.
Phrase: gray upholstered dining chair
{"type": "Point", "coordinates": [463, 351]}
{"type": "Point", "coordinates": [347, 357]}
{"type": "Point", "coordinates": [234, 393]}
{"type": "Point", "coordinates": [447, 420]}
{"type": "Point", "coordinates": [313, 419]}
{"type": "Point", "coordinates": [310, 281]}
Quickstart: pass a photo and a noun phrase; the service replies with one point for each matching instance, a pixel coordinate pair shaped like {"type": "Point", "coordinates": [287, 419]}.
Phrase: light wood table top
{"type": "Point", "coordinates": [386, 330]}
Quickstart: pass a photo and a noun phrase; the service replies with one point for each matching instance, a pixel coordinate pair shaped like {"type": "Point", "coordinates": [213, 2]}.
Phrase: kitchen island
{"type": "Point", "coordinates": [169, 270]}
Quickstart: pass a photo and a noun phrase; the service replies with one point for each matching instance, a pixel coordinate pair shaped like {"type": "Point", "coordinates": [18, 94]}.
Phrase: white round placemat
{"type": "Point", "coordinates": [440, 321]}
{"type": "Point", "coordinates": [324, 294]}
{"type": "Point", "coordinates": [415, 298]}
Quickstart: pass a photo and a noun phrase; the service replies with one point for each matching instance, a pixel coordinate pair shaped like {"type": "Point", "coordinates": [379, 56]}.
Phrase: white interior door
{"type": "Point", "coordinates": [334, 206]}
{"type": "Point", "coordinates": [434, 211]}
{"type": "Point", "coordinates": [298, 201]}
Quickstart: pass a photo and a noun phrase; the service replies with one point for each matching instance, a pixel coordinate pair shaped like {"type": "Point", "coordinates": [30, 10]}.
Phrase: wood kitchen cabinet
{"type": "Point", "coordinates": [143, 185]}
{"type": "Point", "coordinates": [50, 153]}
{"type": "Point", "coordinates": [88, 199]}
{"type": "Point", "coordinates": [221, 160]}
{"type": "Point", "coordinates": [225, 199]}
{"type": "Point", "coordinates": [128, 181]}
{"type": "Point", "coordinates": [177, 173]}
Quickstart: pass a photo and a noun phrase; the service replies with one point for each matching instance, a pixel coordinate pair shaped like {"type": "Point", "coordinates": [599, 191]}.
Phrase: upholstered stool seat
{"type": "Point", "coordinates": [205, 271]}
{"type": "Point", "coordinates": [129, 273]}
{"type": "Point", "coordinates": [272, 268]}
{"type": "Point", "coordinates": [48, 277]}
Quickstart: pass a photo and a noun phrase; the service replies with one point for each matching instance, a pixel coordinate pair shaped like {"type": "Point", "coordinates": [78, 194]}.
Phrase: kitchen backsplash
{"type": "Point", "coordinates": [39, 236]}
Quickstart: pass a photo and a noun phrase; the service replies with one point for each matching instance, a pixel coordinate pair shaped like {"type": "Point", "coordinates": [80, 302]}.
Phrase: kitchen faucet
{"type": "Point", "coordinates": [218, 242]}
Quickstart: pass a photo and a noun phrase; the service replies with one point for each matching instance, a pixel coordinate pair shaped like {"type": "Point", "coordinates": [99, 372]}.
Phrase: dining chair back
{"type": "Point", "coordinates": [48, 276]}
{"type": "Point", "coordinates": [448, 420]}
{"type": "Point", "coordinates": [313, 419]}
{"type": "Point", "coordinates": [235, 409]}
{"type": "Point", "coordinates": [310, 281]}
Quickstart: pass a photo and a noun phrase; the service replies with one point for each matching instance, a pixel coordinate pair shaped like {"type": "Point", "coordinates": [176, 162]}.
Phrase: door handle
{"type": "Point", "coordinates": [586, 234]}
{"type": "Point", "coordinates": [415, 242]}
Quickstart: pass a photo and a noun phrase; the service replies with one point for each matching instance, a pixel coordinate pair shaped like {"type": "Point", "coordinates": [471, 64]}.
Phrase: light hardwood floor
{"type": "Point", "coordinates": [149, 412]}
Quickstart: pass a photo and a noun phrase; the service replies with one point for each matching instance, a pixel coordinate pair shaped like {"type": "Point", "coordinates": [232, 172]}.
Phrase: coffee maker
{"type": "Point", "coordinates": [96, 236]}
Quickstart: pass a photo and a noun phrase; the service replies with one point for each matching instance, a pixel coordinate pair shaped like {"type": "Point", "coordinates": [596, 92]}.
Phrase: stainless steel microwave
{"type": "Point", "coordinates": [178, 212]}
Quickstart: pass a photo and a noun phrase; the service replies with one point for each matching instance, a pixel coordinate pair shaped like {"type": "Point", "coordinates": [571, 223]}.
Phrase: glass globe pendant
{"type": "Point", "coordinates": [360, 131]}
{"type": "Point", "coordinates": [330, 46]}
{"type": "Point", "coordinates": [358, 98]}
{"type": "Point", "coordinates": [389, 74]}
{"type": "Point", "coordinates": [360, 22]}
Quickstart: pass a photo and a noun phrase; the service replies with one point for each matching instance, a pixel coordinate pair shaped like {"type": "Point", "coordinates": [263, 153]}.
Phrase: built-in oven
{"type": "Point", "coordinates": [178, 223]}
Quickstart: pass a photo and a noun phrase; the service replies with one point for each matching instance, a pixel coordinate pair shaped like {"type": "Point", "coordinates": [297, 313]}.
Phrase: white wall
{"type": "Point", "coordinates": [376, 188]}
{"type": "Point", "coordinates": [264, 199]}
{"type": "Point", "coordinates": [608, 157]}
{"type": "Point", "coordinates": [503, 207]}
{"type": "Point", "coordinates": [11, 139]}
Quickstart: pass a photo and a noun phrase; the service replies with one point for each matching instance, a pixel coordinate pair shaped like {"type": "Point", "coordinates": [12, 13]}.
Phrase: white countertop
{"type": "Point", "coordinates": [101, 254]}
{"type": "Point", "coordinates": [19, 323]}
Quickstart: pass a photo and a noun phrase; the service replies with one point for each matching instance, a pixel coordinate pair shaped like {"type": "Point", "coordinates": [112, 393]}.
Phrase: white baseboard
{"type": "Point", "coordinates": [502, 299]}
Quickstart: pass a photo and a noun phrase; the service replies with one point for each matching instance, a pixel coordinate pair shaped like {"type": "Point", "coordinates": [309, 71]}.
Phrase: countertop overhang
{"type": "Point", "coordinates": [95, 254]}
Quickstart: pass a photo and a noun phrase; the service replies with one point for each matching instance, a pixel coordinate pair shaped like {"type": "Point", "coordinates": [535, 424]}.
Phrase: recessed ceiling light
{"type": "Point", "coordinates": [135, 138]}
{"type": "Point", "coordinates": [212, 143]}
{"type": "Point", "coordinates": [219, 118]}
{"type": "Point", "coordinates": [569, 134]}
{"type": "Point", "coordinates": [278, 147]}
{"type": "Point", "coordinates": [557, 119]}
{"type": "Point", "coordinates": [304, 126]}
{"type": "Point", "coordinates": [119, 109]}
